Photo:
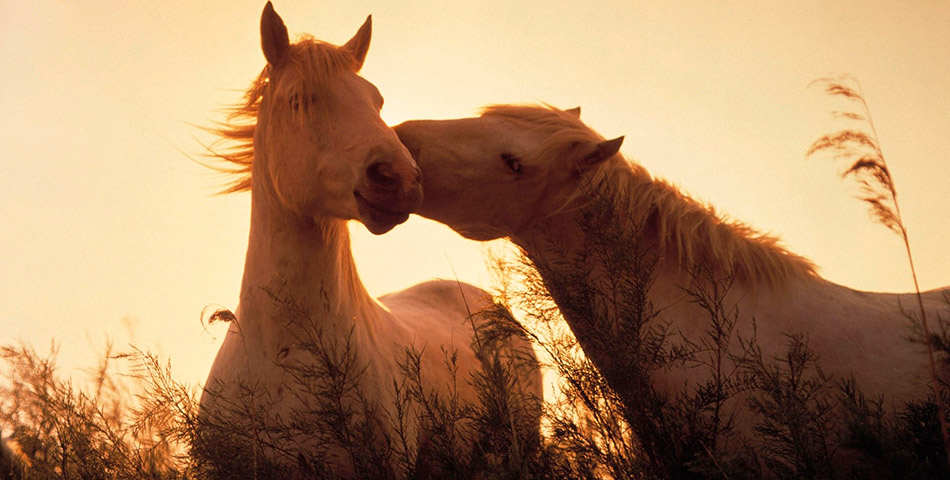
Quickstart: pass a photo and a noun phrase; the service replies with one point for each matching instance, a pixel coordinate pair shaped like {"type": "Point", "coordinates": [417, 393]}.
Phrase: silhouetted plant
{"type": "Point", "coordinates": [154, 430]}
{"type": "Point", "coordinates": [858, 144]}
{"type": "Point", "coordinates": [67, 432]}
{"type": "Point", "coordinates": [796, 415]}
{"type": "Point", "coordinates": [146, 425]}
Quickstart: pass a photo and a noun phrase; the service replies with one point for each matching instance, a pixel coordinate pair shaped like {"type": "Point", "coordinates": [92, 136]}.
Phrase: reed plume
{"type": "Point", "coordinates": [859, 145]}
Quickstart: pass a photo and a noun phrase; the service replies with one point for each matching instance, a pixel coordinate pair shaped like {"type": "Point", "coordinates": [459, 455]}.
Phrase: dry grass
{"type": "Point", "coordinates": [133, 420]}
{"type": "Point", "coordinates": [857, 144]}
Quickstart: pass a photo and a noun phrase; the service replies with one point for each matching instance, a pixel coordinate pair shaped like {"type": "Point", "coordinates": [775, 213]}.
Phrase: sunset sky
{"type": "Point", "coordinates": [108, 229]}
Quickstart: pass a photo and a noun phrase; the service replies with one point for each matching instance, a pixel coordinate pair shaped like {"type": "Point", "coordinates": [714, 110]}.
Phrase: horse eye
{"type": "Point", "coordinates": [512, 161]}
{"type": "Point", "coordinates": [296, 102]}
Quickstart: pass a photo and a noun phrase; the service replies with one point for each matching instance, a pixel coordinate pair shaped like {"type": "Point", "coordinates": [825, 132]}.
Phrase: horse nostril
{"type": "Point", "coordinates": [382, 173]}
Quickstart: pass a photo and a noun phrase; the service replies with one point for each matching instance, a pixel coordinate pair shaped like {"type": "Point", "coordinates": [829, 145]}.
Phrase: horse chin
{"type": "Point", "coordinates": [380, 228]}
{"type": "Point", "coordinates": [378, 219]}
{"type": "Point", "coordinates": [478, 233]}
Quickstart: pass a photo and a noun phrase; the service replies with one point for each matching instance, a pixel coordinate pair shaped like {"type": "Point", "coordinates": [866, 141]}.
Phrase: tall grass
{"type": "Point", "coordinates": [64, 431]}
{"type": "Point", "coordinates": [858, 144]}
{"type": "Point", "coordinates": [148, 425]}
{"type": "Point", "coordinates": [133, 420]}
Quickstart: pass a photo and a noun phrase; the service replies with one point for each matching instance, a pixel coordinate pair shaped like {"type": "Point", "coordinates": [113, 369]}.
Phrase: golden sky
{"type": "Point", "coordinates": [107, 227]}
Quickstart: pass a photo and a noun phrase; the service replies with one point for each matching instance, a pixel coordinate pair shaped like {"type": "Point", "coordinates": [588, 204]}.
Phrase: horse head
{"type": "Point", "coordinates": [320, 146]}
{"type": "Point", "coordinates": [493, 176]}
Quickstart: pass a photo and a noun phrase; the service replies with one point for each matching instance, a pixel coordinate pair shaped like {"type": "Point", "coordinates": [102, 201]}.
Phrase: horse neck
{"type": "Point", "coordinates": [601, 228]}
{"type": "Point", "coordinates": [600, 247]}
{"type": "Point", "coordinates": [299, 266]}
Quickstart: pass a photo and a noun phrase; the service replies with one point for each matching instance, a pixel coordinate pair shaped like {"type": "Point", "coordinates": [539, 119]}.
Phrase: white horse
{"type": "Point", "coordinates": [310, 146]}
{"type": "Point", "coordinates": [526, 173]}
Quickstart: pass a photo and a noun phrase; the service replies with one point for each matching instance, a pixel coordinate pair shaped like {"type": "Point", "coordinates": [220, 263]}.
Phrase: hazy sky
{"type": "Point", "coordinates": [107, 227]}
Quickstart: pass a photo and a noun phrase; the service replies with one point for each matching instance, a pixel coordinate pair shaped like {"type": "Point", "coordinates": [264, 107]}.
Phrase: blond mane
{"type": "Point", "coordinates": [688, 232]}
{"type": "Point", "coordinates": [305, 72]}
{"type": "Point", "coordinates": [693, 234]}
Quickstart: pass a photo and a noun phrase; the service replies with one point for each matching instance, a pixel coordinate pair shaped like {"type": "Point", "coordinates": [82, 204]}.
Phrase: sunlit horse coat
{"type": "Point", "coordinates": [309, 145]}
{"type": "Point", "coordinates": [530, 173]}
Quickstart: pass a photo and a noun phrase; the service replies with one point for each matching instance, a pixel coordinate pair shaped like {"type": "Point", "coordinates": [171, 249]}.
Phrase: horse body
{"type": "Point", "coordinates": [314, 153]}
{"type": "Point", "coordinates": [527, 173]}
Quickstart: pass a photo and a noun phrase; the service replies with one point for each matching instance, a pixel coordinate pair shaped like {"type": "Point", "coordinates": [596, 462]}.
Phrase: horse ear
{"type": "Point", "coordinates": [576, 111]}
{"type": "Point", "coordinates": [602, 151]}
{"type": "Point", "coordinates": [274, 40]}
{"type": "Point", "coordinates": [359, 44]}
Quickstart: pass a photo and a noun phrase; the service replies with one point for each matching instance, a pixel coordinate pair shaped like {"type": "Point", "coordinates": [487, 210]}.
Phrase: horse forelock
{"type": "Point", "coordinates": [305, 74]}
{"type": "Point", "coordinates": [562, 127]}
{"type": "Point", "coordinates": [690, 232]}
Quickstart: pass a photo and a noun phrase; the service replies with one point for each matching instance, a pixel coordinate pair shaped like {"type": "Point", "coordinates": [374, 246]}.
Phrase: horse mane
{"type": "Point", "coordinates": [307, 68]}
{"type": "Point", "coordinates": [689, 232]}
{"type": "Point", "coordinates": [694, 234]}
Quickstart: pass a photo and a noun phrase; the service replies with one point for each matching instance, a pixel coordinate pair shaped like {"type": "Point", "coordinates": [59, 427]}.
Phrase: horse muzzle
{"type": "Point", "coordinates": [380, 213]}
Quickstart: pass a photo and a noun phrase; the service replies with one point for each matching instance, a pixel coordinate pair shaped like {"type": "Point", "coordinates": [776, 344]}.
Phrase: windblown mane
{"type": "Point", "coordinates": [693, 233]}
{"type": "Point", "coordinates": [303, 77]}
{"type": "Point", "coordinates": [688, 231]}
